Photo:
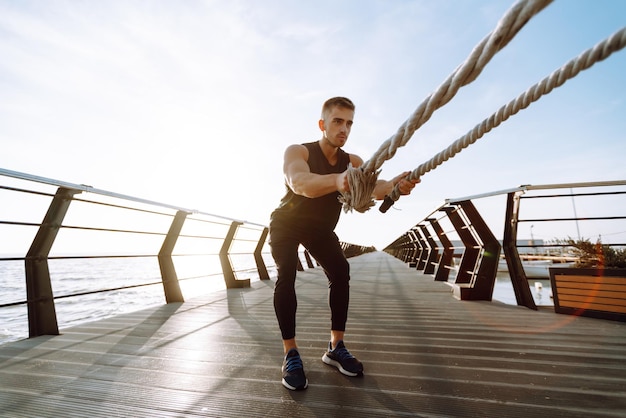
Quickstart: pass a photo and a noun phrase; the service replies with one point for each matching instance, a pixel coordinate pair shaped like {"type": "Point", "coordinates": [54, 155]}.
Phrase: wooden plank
{"type": "Point", "coordinates": [596, 280]}
{"type": "Point", "coordinates": [582, 303]}
{"type": "Point", "coordinates": [620, 288]}
{"type": "Point", "coordinates": [616, 298]}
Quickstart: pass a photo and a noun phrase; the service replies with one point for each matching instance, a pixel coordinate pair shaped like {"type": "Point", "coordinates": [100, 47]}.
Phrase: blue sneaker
{"type": "Point", "coordinates": [293, 371]}
{"type": "Point", "coordinates": [341, 358]}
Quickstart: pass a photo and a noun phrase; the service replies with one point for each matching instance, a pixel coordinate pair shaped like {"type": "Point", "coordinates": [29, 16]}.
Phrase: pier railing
{"type": "Point", "coordinates": [455, 244]}
{"type": "Point", "coordinates": [81, 224]}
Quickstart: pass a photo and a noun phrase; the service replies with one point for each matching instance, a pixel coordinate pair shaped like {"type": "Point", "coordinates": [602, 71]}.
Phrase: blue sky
{"type": "Point", "coordinates": [192, 103]}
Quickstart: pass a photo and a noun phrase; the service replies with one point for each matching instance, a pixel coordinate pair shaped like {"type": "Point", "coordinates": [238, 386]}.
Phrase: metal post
{"type": "Point", "coordinates": [171, 286]}
{"type": "Point", "coordinates": [299, 266]}
{"type": "Point", "coordinates": [407, 248]}
{"type": "Point", "coordinates": [445, 263]}
{"type": "Point", "coordinates": [309, 261]}
{"type": "Point", "coordinates": [258, 256]}
{"type": "Point", "coordinates": [227, 268]}
{"type": "Point", "coordinates": [414, 248]}
{"type": "Point", "coordinates": [433, 253]}
{"type": "Point", "coordinates": [470, 255]}
{"type": "Point", "coordinates": [516, 271]}
{"type": "Point", "coordinates": [485, 276]}
{"type": "Point", "coordinates": [42, 318]}
{"type": "Point", "coordinates": [423, 254]}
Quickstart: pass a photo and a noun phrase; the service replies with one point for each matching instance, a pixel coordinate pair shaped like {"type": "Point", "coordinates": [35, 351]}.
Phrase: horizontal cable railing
{"type": "Point", "coordinates": [455, 238]}
{"type": "Point", "coordinates": [93, 242]}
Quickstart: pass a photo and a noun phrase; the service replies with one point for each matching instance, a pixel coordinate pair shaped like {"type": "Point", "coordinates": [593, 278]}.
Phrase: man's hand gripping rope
{"type": "Point", "coordinates": [359, 193]}
{"type": "Point", "coordinates": [361, 185]}
{"type": "Point", "coordinates": [397, 191]}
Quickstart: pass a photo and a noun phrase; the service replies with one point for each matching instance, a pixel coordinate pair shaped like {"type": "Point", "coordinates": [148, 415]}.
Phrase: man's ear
{"type": "Point", "coordinates": [320, 123]}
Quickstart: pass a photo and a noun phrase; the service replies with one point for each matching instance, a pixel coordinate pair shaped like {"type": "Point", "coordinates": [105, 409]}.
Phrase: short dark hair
{"type": "Point", "coordinates": [334, 102]}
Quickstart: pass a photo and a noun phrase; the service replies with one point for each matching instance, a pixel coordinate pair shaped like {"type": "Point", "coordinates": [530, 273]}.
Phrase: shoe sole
{"type": "Point", "coordinates": [288, 386]}
{"type": "Point", "coordinates": [336, 364]}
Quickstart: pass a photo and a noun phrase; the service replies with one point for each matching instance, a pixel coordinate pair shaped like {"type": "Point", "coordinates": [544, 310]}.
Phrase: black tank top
{"type": "Point", "coordinates": [320, 212]}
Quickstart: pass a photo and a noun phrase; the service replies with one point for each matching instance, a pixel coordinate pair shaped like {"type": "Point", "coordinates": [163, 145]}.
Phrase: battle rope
{"type": "Point", "coordinates": [601, 51]}
{"type": "Point", "coordinates": [506, 29]}
{"type": "Point", "coordinates": [362, 184]}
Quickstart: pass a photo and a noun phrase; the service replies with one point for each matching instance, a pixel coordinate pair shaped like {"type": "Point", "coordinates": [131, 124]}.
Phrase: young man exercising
{"type": "Point", "coordinates": [315, 174]}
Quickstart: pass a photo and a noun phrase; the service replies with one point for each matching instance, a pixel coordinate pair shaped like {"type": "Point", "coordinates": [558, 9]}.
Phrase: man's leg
{"type": "Point", "coordinates": [285, 253]}
{"type": "Point", "coordinates": [335, 337]}
{"type": "Point", "coordinates": [328, 252]}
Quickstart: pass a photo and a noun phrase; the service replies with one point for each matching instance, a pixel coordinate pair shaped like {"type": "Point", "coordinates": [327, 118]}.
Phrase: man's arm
{"type": "Point", "coordinates": [302, 181]}
{"type": "Point", "coordinates": [385, 187]}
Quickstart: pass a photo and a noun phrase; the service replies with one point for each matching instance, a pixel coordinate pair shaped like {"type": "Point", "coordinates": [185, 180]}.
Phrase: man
{"type": "Point", "coordinates": [315, 174]}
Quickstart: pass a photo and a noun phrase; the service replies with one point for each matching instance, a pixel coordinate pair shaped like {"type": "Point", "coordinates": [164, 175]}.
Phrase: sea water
{"type": "Point", "coordinates": [71, 276]}
{"type": "Point", "coordinates": [539, 288]}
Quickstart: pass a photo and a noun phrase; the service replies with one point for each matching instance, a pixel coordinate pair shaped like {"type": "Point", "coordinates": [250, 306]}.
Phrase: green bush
{"type": "Point", "coordinates": [596, 255]}
{"type": "Point", "coordinates": [614, 258]}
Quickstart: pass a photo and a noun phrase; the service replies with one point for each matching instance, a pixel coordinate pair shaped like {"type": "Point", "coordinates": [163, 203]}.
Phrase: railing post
{"type": "Point", "coordinates": [227, 268]}
{"type": "Point", "coordinates": [404, 250]}
{"type": "Point", "coordinates": [415, 248]}
{"type": "Point", "coordinates": [485, 276]}
{"type": "Point", "coordinates": [421, 261]}
{"type": "Point", "coordinates": [445, 262]}
{"type": "Point", "coordinates": [171, 286]}
{"type": "Point", "coordinates": [514, 264]}
{"type": "Point", "coordinates": [42, 318]}
{"type": "Point", "coordinates": [309, 261]}
{"type": "Point", "coordinates": [433, 254]}
{"type": "Point", "coordinates": [299, 266]}
{"type": "Point", "coordinates": [469, 259]}
{"type": "Point", "coordinates": [258, 256]}
{"type": "Point", "coordinates": [411, 248]}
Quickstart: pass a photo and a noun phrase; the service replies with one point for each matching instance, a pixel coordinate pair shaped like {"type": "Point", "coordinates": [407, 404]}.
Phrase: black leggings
{"type": "Point", "coordinates": [325, 248]}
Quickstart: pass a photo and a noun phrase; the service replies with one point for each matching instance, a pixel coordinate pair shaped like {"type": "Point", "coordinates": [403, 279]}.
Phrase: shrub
{"type": "Point", "coordinates": [597, 255]}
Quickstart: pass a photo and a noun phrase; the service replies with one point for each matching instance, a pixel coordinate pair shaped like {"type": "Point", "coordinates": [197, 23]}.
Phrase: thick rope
{"type": "Point", "coordinates": [508, 26]}
{"type": "Point", "coordinates": [359, 198]}
{"type": "Point", "coordinates": [601, 51]}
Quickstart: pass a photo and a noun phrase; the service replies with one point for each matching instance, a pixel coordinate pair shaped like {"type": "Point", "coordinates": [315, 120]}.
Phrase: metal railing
{"type": "Point", "coordinates": [456, 230]}
{"type": "Point", "coordinates": [84, 223]}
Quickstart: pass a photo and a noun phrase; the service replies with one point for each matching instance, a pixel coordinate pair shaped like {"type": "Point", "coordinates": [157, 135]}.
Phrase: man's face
{"type": "Point", "coordinates": [337, 125]}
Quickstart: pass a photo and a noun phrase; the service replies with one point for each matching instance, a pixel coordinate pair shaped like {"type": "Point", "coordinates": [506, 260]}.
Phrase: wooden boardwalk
{"type": "Point", "coordinates": [425, 354]}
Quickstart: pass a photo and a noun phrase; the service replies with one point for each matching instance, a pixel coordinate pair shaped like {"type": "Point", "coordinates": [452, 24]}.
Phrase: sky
{"type": "Point", "coordinates": [192, 103]}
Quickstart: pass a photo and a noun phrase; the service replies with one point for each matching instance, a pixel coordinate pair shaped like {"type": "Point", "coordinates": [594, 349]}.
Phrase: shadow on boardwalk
{"type": "Point", "coordinates": [425, 354]}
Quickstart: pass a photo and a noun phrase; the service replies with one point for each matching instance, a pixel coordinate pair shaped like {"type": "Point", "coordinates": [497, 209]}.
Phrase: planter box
{"type": "Point", "coordinates": [597, 293]}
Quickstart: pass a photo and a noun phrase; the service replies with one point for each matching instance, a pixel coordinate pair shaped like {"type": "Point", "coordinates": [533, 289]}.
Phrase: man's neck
{"type": "Point", "coordinates": [329, 150]}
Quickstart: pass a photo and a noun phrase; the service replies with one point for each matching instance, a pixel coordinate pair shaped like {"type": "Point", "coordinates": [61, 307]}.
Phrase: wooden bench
{"type": "Point", "coordinates": [597, 293]}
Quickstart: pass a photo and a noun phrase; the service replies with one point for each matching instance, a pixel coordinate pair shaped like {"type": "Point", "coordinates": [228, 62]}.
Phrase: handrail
{"type": "Point", "coordinates": [417, 249]}
{"type": "Point", "coordinates": [526, 187]}
{"type": "Point", "coordinates": [201, 227]}
{"type": "Point", "coordinates": [91, 189]}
